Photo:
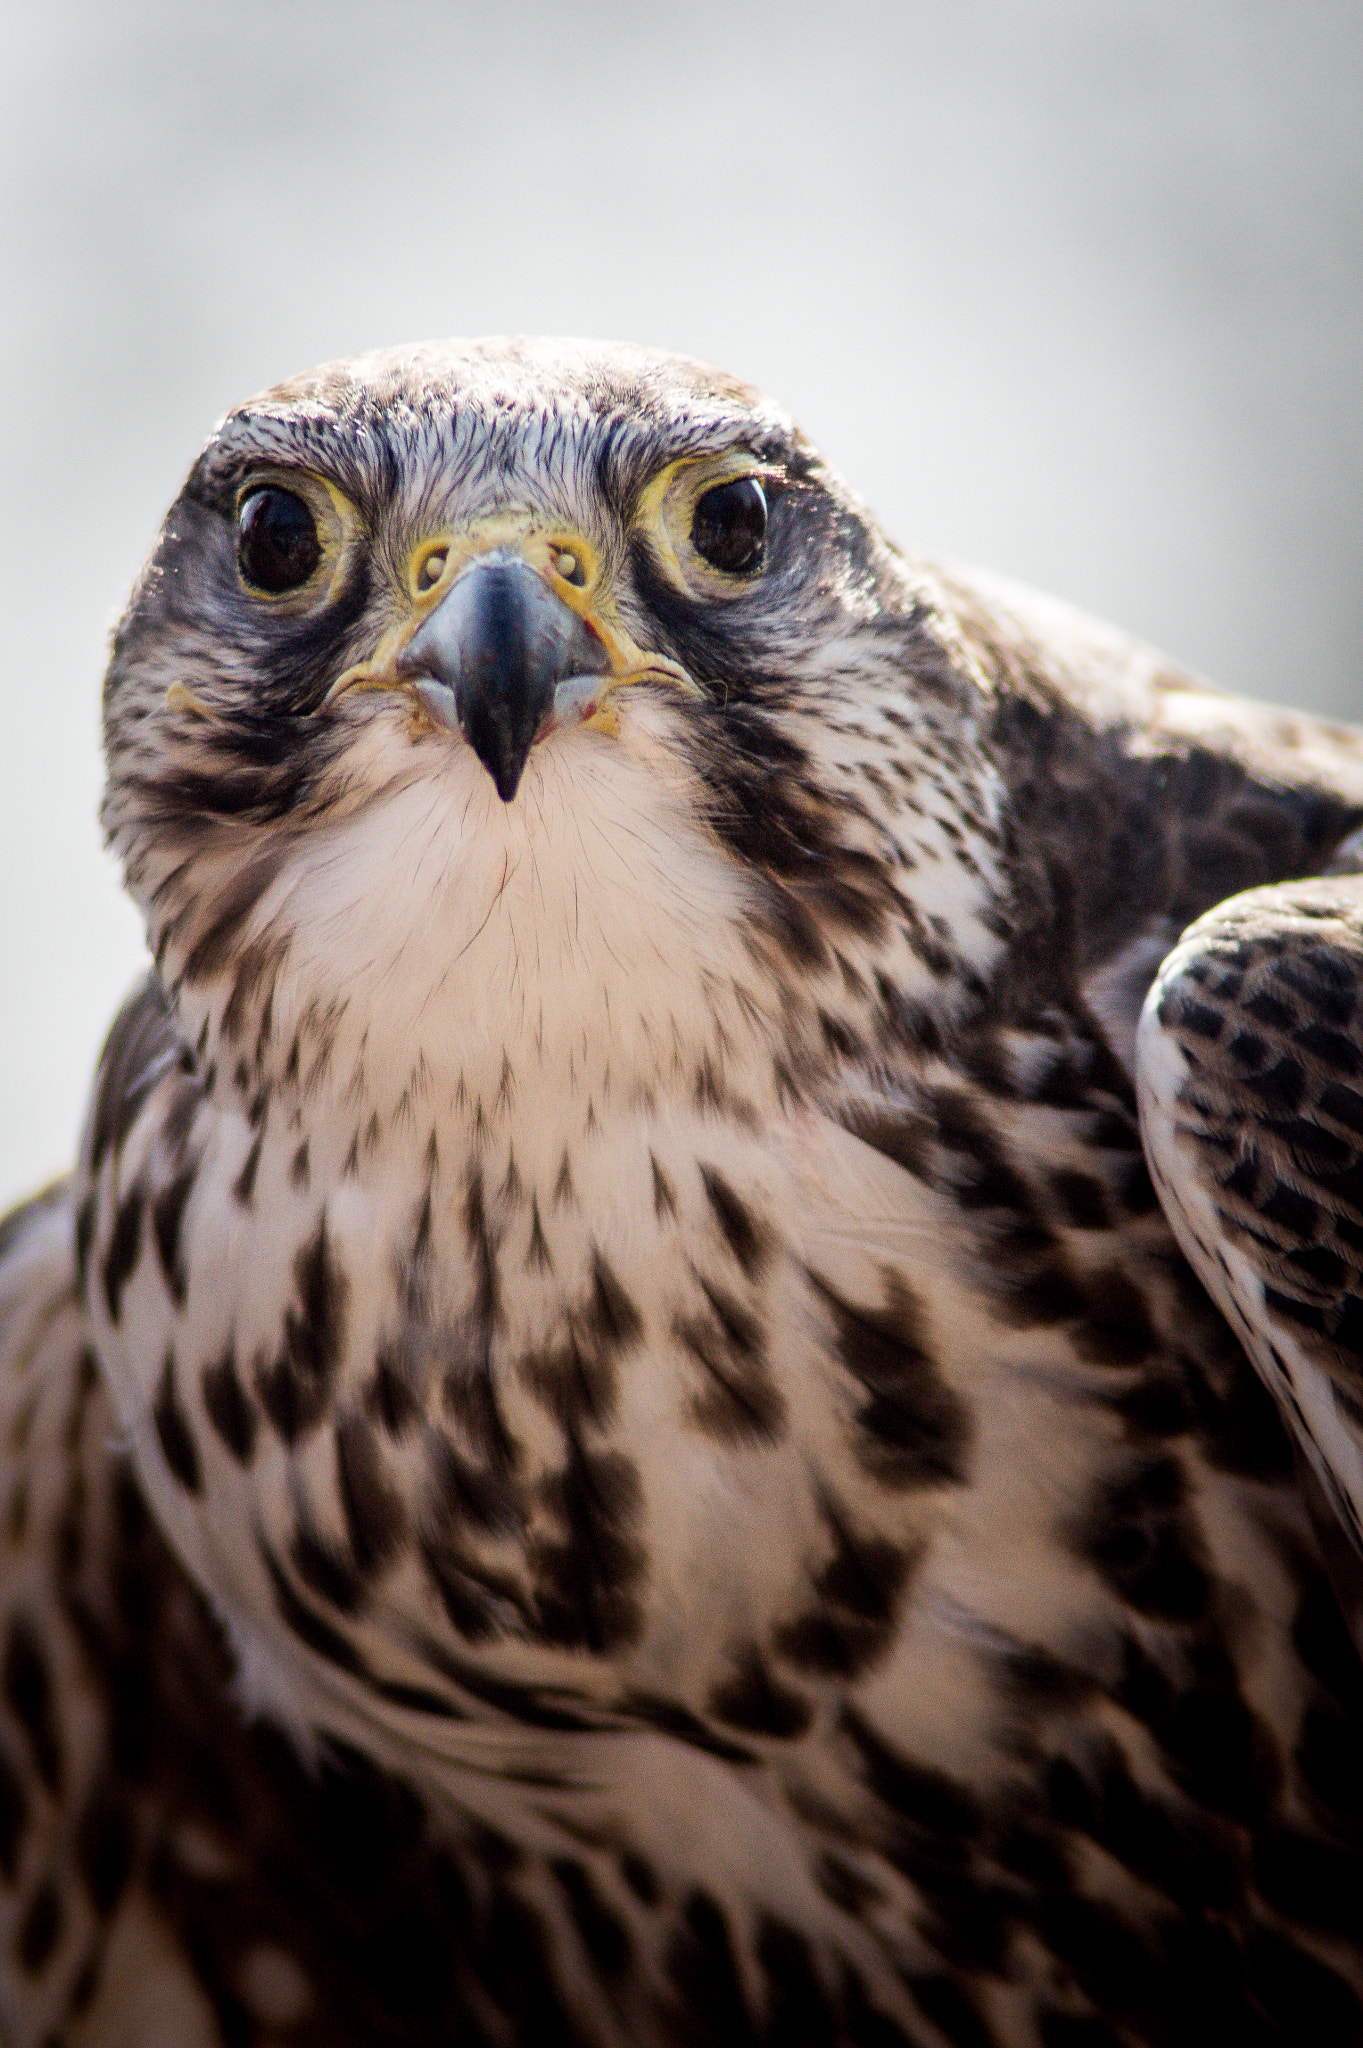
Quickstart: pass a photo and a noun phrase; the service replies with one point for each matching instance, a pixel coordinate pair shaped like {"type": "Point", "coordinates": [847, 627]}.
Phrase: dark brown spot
{"type": "Point", "coordinates": [85, 1235]}
{"type": "Point", "coordinates": [324, 1571]}
{"type": "Point", "coordinates": [104, 1847]}
{"type": "Point", "coordinates": [243, 1187]}
{"type": "Point", "coordinates": [167, 1216]}
{"type": "Point", "coordinates": [709, 1091]}
{"type": "Point", "coordinates": [587, 1582]}
{"type": "Point", "coordinates": [461, 1494]}
{"type": "Point", "coordinates": [847, 1887]}
{"type": "Point", "coordinates": [28, 1692]}
{"type": "Point", "coordinates": [125, 1243]}
{"type": "Point", "coordinates": [612, 1319]}
{"type": "Point", "coordinates": [664, 1196]}
{"type": "Point", "coordinates": [852, 1620]}
{"type": "Point", "coordinates": [85, 1983]}
{"type": "Point", "coordinates": [478, 1603]}
{"type": "Point", "coordinates": [1082, 1199]}
{"type": "Point", "coordinates": [483, 1255]}
{"type": "Point", "coordinates": [254, 962]}
{"type": "Point", "coordinates": [1115, 1328]}
{"type": "Point", "coordinates": [295, 1385]}
{"type": "Point", "coordinates": [900, 1134]}
{"type": "Point", "coordinates": [308, 1625]}
{"type": "Point", "coordinates": [936, 1806]}
{"type": "Point", "coordinates": [40, 1929]}
{"type": "Point", "coordinates": [741, 1401]}
{"type": "Point", "coordinates": [792, 924]}
{"type": "Point", "coordinates": [86, 1382]}
{"type": "Point", "coordinates": [700, 1962]}
{"type": "Point", "coordinates": [1022, 1261]}
{"type": "Point", "coordinates": [914, 1430]}
{"type": "Point", "coordinates": [470, 1397]}
{"type": "Point", "coordinates": [228, 1406]}
{"type": "Point", "coordinates": [299, 1170]}
{"type": "Point", "coordinates": [178, 1447]}
{"type": "Point", "coordinates": [865, 1575]}
{"type": "Point", "coordinates": [181, 1107]}
{"type": "Point", "coordinates": [751, 1699]}
{"type": "Point", "coordinates": [747, 1239]}
{"type": "Point", "coordinates": [858, 1590]}
{"type": "Point", "coordinates": [1037, 1681]}
{"type": "Point", "coordinates": [797, 2004]}
{"type": "Point", "coordinates": [839, 1037]}
{"type": "Point", "coordinates": [641, 1877]}
{"type": "Point", "coordinates": [421, 1241]}
{"type": "Point", "coordinates": [537, 1257]}
{"type": "Point", "coordinates": [1178, 1850]}
{"type": "Point", "coordinates": [574, 1383]}
{"type": "Point", "coordinates": [947, 2003]}
{"type": "Point", "coordinates": [564, 1192]}
{"type": "Point", "coordinates": [390, 1396]}
{"type": "Point", "coordinates": [1138, 1529]}
{"type": "Point", "coordinates": [375, 1517]}
{"type": "Point", "coordinates": [604, 1936]}
{"type": "Point", "coordinates": [13, 1814]}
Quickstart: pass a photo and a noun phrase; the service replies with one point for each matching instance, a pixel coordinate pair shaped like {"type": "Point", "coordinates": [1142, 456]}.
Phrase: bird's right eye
{"type": "Point", "coordinates": [278, 546]}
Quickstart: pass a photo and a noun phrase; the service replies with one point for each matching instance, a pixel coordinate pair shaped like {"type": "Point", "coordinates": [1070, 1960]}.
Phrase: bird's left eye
{"type": "Point", "coordinates": [729, 526]}
{"type": "Point", "coordinates": [277, 541]}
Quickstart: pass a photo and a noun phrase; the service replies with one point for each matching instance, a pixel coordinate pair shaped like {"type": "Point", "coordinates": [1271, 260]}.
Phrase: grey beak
{"type": "Point", "coordinates": [495, 649]}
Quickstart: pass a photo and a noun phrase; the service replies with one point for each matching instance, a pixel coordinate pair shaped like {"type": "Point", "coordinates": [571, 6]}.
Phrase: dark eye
{"type": "Point", "coordinates": [729, 528]}
{"type": "Point", "coordinates": [277, 544]}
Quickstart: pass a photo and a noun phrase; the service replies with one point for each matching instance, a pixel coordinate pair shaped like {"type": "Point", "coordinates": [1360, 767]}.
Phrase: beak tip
{"type": "Point", "coordinates": [500, 746]}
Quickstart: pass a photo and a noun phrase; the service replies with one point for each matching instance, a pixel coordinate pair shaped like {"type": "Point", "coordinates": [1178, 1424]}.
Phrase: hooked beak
{"type": "Point", "coordinates": [490, 660]}
{"type": "Point", "coordinates": [503, 656]}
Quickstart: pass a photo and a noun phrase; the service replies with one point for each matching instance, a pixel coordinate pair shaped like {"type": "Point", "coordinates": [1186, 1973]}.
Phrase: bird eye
{"type": "Point", "coordinates": [729, 526]}
{"type": "Point", "coordinates": [277, 543]}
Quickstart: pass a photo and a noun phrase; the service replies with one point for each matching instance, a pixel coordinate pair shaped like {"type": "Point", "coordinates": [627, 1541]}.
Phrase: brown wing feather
{"type": "Point", "coordinates": [1252, 1072]}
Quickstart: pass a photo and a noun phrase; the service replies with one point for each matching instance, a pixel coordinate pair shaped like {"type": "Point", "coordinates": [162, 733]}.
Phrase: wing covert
{"type": "Point", "coordinates": [1250, 1075]}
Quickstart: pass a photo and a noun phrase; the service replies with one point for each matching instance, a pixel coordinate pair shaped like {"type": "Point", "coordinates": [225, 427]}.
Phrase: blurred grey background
{"type": "Point", "coordinates": [1068, 287]}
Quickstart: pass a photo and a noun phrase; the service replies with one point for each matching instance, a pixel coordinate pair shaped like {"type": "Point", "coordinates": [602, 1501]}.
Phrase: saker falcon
{"type": "Point", "coordinates": [614, 1442]}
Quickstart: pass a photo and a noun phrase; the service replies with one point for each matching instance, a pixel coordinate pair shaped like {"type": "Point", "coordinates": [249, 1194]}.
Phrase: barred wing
{"type": "Point", "coordinates": [1250, 1074]}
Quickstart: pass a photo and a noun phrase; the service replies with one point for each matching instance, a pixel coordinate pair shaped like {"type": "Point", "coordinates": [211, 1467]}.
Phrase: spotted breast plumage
{"type": "Point", "coordinates": [613, 1441]}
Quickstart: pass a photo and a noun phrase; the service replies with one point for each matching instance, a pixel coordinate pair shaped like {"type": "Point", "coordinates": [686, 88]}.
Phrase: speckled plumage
{"type": "Point", "coordinates": [610, 1443]}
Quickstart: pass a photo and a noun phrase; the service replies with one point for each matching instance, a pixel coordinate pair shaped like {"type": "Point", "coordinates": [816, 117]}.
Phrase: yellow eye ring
{"type": "Point", "coordinates": [667, 515]}
{"type": "Point", "coordinates": [335, 523]}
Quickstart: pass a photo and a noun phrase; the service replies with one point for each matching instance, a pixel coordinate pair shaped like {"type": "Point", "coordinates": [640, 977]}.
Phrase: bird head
{"type": "Point", "coordinates": [526, 593]}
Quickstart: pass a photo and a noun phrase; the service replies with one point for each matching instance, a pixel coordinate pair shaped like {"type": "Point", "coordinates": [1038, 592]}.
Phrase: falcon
{"type": "Point", "coordinates": [702, 1379]}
